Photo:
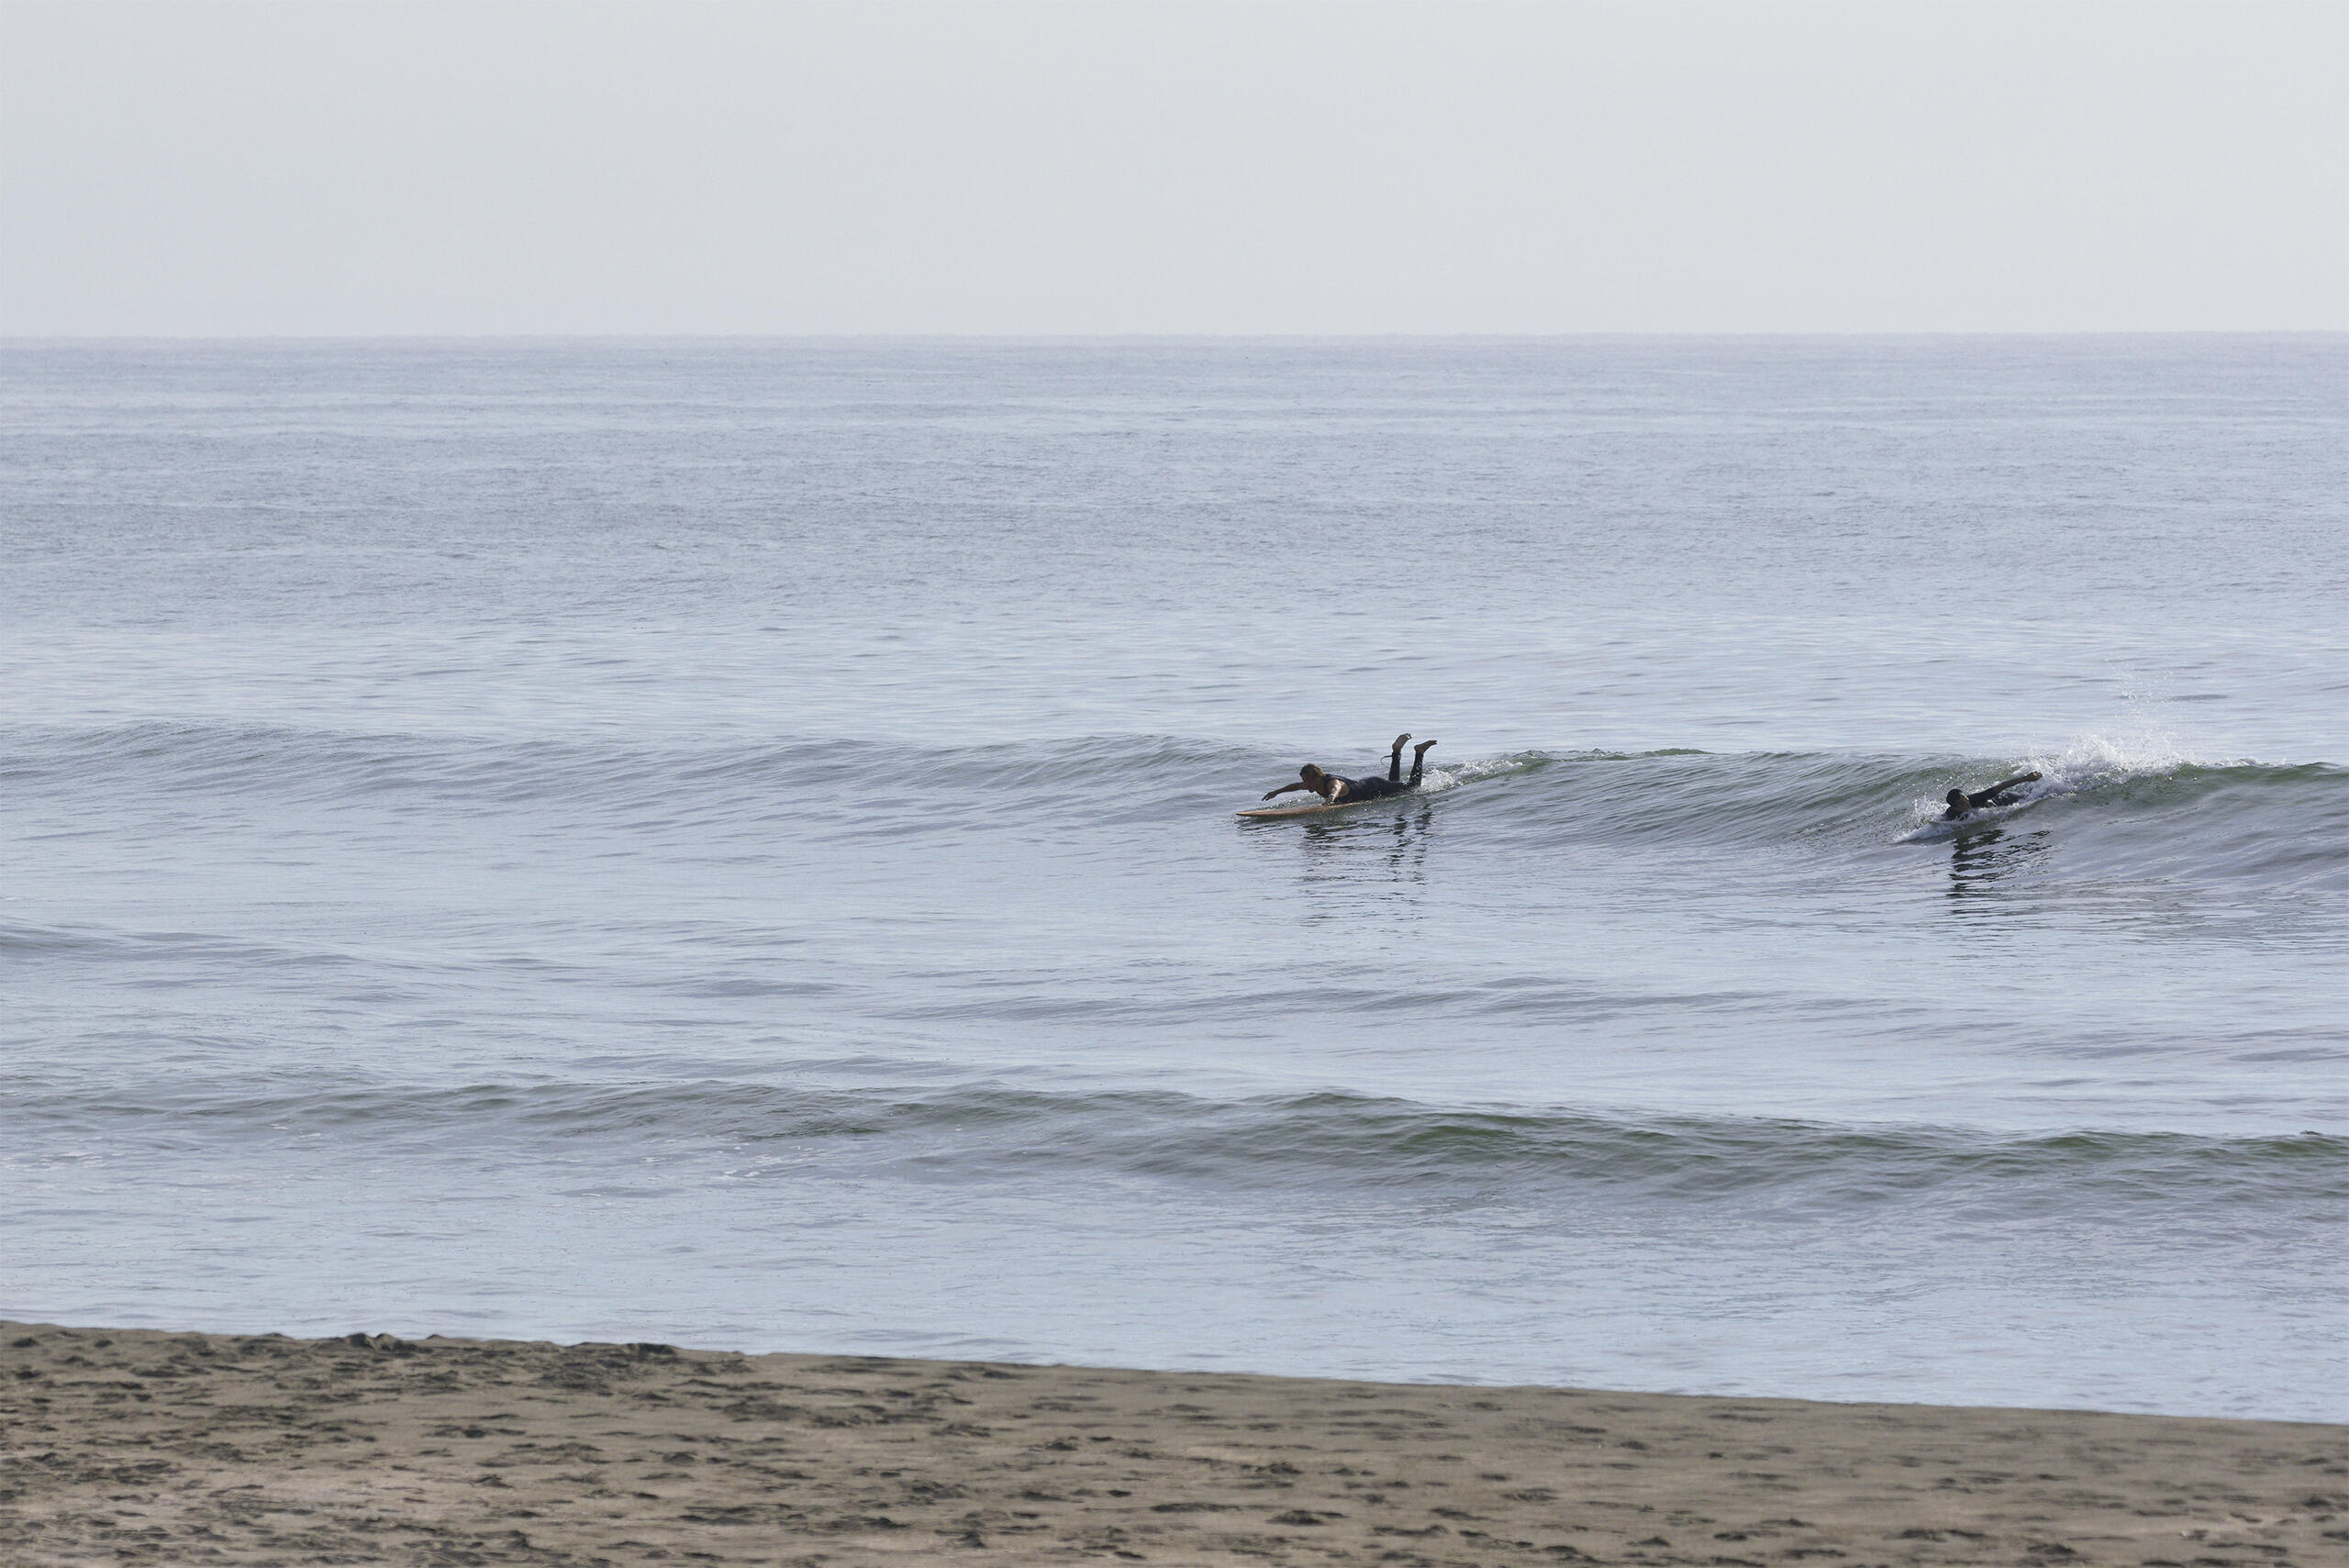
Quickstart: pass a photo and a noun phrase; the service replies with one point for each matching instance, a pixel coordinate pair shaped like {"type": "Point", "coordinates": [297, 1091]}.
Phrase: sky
{"type": "Point", "coordinates": [1100, 167]}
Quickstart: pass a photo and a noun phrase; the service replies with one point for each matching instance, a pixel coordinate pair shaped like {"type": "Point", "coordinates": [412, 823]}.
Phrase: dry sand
{"type": "Point", "coordinates": [143, 1447]}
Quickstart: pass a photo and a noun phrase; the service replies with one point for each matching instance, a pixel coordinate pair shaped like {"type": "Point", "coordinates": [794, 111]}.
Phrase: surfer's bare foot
{"type": "Point", "coordinates": [1400, 742]}
{"type": "Point", "coordinates": [1419, 750]}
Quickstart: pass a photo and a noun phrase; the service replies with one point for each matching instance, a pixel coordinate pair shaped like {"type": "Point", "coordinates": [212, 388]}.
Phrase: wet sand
{"type": "Point", "coordinates": [121, 1446]}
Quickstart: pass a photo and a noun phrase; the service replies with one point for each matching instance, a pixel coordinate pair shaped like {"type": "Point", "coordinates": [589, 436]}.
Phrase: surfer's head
{"type": "Point", "coordinates": [1956, 799]}
{"type": "Point", "coordinates": [1315, 779]}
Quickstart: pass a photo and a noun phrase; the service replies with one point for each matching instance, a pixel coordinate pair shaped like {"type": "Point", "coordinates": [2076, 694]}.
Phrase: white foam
{"type": "Point", "coordinates": [2100, 759]}
{"type": "Point", "coordinates": [1474, 772]}
{"type": "Point", "coordinates": [2089, 762]}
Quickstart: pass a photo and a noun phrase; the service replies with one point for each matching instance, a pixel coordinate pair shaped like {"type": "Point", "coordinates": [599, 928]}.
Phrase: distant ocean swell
{"type": "Point", "coordinates": [2143, 808]}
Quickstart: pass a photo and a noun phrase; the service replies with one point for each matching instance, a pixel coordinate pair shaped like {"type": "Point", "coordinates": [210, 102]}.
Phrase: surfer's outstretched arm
{"type": "Point", "coordinates": [1395, 758]}
{"type": "Point", "coordinates": [1418, 758]}
{"type": "Point", "coordinates": [1984, 796]}
{"type": "Point", "coordinates": [1286, 788]}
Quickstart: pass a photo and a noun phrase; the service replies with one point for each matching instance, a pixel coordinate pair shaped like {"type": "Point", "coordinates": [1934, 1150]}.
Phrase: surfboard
{"type": "Point", "coordinates": [1981, 817]}
{"type": "Point", "coordinates": [1267, 811]}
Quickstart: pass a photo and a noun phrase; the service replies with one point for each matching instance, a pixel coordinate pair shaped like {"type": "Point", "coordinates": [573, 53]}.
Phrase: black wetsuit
{"type": "Point", "coordinates": [1371, 789]}
{"type": "Point", "coordinates": [1393, 784]}
{"type": "Point", "coordinates": [1975, 802]}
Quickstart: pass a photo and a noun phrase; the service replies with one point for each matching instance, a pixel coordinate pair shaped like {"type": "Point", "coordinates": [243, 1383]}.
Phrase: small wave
{"type": "Point", "coordinates": [2090, 762]}
{"type": "Point", "coordinates": [2110, 807]}
{"type": "Point", "coordinates": [2150, 812]}
{"type": "Point", "coordinates": [2137, 807]}
{"type": "Point", "coordinates": [1330, 1141]}
{"type": "Point", "coordinates": [462, 770]}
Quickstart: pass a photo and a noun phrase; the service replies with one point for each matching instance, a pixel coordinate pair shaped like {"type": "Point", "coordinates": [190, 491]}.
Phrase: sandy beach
{"type": "Point", "coordinates": [148, 1447]}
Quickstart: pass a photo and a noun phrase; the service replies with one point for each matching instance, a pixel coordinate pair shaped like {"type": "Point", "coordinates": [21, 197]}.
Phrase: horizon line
{"type": "Point", "coordinates": [23, 338]}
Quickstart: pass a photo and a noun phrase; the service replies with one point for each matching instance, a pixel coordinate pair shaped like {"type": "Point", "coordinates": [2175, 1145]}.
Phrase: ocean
{"type": "Point", "coordinates": [732, 843]}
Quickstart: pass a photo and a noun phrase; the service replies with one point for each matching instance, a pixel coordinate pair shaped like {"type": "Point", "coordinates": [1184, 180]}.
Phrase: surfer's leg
{"type": "Point", "coordinates": [1418, 760]}
{"type": "Point", "coordinates": [1395, 759]}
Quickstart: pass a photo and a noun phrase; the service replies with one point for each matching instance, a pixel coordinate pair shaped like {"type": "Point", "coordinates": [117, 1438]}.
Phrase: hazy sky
{"type": "Point", "coordinates": [1111, 167]}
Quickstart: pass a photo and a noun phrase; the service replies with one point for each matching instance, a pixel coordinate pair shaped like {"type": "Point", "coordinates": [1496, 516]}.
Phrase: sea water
{"type": "Point", "coordinates": [732, 843]}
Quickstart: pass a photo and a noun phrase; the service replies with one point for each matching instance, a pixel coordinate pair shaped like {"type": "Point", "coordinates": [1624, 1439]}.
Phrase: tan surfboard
{"type": "Point", "coordinates": [1266, 811]}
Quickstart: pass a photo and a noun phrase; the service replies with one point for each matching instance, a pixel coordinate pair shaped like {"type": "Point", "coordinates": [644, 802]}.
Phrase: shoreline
{"type": "Point", "coordinates": [146, 1445]}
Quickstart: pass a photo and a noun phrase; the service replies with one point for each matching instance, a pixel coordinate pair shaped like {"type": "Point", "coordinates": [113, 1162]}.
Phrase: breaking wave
{"type": "Point", "coordinates": [2141, 808]}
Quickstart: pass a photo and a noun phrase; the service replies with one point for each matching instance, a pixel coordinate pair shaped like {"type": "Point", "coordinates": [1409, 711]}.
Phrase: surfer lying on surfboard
{"type": "Point", "coordinates": [1336, 790]}
{"type": "Point", "coordinates": [1961, 803]}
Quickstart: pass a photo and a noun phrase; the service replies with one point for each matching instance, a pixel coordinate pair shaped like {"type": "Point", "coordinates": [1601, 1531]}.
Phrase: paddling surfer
{"type": "Point", "coordinates": [1961, 803]}
{"type": "Point", "coordinates": [1338, 791]}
